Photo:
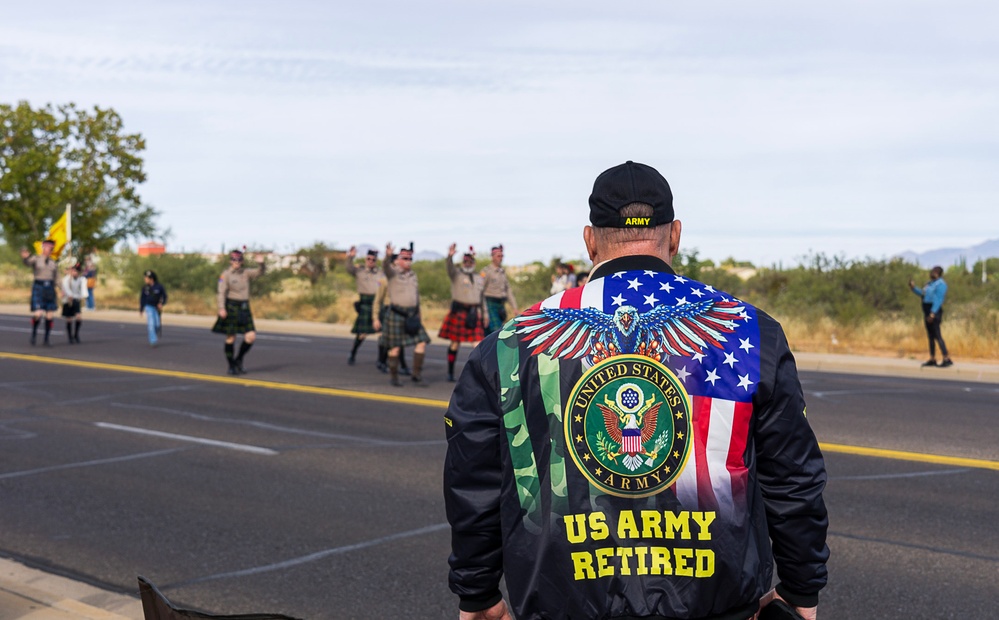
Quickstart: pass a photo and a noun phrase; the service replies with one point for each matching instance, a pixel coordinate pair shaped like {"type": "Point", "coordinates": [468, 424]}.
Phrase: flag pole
{"type": "Point", "coordinates": [69, 223]}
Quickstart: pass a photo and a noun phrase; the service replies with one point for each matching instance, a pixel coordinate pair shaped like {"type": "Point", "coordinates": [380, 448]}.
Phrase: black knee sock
{"type": "Point", "coordinates": [357, 344]}
{"type": "Point", "coordinates": [382, 354]}
{"type": "Point", "coordinates": [452, 355]}
{"type": "Point", "coordinates": [243, 348]}
{"type": "Point", "coordinates": [34, 326]}
{"type": "Point", "coordinates": [69, 331]}
{"type": "Point", "coordinates": [76, 334]}
{"type": "Point", "coordinates": [48, 329]}
{"type": "Point", "coordinates": [229, 346]}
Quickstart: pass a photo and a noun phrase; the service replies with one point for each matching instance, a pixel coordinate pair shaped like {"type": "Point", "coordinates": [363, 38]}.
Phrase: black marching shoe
{"type": "Point", "coordinates": [404, 372]}
{"type": "Point", "coordinates": [351, 360]}
{"type": "Point", "coordinates": [946, 362]}
{"type": "Point", "coordinates": [382, 367]}
{"type": "Point", "coordinates": [239, 367]}
{"type": "Point", "coordinates": [450, 377]}
{"type": "Point", "coordinates": [34, 339]}
{"type": "Point", "coordinates": [929, 363]}
{"type": "Point", "coordinates": [232, 369]}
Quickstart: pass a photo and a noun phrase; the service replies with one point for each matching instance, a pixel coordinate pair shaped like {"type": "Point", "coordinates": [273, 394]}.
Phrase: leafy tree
{"type": "Point", "coordinates": [51, 157]}
{"type": "Point", "coordinates": [317, 261]}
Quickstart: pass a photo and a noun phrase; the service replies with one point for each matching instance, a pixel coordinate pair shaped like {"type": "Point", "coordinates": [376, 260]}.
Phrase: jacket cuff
{"type": "Point", "coordinates": [478, 603]}
{"type": "Point", "coordinates": [797, 600]}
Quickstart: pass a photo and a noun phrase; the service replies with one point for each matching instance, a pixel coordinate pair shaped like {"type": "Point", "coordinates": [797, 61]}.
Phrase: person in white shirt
{"type": "Point", "coordinates": [74, 291]}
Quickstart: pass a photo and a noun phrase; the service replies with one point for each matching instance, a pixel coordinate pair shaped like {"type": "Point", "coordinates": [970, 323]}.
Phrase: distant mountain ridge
{"type": "Point", "coordinates": [945, 257]}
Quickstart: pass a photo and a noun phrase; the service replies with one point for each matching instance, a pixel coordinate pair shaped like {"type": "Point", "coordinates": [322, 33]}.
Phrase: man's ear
{"type": "Point", "coordinates": [674, 239]}
{"type": "Point", "coordinates": [589, 239]}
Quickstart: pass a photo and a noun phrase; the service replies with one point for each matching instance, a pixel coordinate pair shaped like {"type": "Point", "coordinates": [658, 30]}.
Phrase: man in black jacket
{"type": "Point", "coordinates": [636, 447]}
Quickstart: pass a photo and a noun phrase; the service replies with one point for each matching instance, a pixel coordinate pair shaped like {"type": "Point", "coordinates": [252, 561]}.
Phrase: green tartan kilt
{"type": "Point", "coordinates": [394, 331]}
{"type": "Point", "coordinates": [497, 313]}
{"type": "Point", "coordinates": [364, 323]}
{"type": "Point", "coordinates": [238, 319]}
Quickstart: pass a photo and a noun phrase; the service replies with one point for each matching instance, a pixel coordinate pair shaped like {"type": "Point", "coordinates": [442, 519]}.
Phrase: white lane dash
{"type": "Point", "coordinates": [312, 557]}
{"type": "Point", "coordinates": [116, 459]}
{"type": "Point", "coordinates": [201, 440]}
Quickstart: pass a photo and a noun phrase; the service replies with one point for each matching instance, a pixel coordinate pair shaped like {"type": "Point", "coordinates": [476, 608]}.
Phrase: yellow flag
{"type": "Point", "coordinates": [61, 232]}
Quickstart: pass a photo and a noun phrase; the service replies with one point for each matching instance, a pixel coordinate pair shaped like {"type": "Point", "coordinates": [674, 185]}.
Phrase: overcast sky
{"type": "Point", "coordinates": [849, 128]}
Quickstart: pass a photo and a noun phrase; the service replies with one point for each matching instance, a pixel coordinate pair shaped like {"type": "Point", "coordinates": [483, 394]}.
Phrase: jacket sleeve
{"type": "Point", "coordinates": [791, 474]}
{"type": "Point", "coordinates": [472, 480]}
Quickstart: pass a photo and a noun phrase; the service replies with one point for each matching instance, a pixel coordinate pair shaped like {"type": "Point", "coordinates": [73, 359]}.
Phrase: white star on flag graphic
{"type": "Point", "coordinates": [682, 373]}
{"type": "Point", "coordinates": [745, 344]}
{"type": "Point", "coordinates": [730, 360]}
{"type": "Point", "coordinates": [712, 377]}
{"type": "Point", "coordinates": [618, 300]}
{"type": "Point", "coordinates": [744, 381]}
{"type": "Point", "coordinates": [634, 284]}
{"type": "Point", "coordinates": [651, 300]}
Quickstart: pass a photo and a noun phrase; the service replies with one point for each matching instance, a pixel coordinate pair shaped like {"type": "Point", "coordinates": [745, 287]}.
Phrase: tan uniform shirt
{"type": "Point", "coordinates": [466, 286]}
{"type": "Point", "coordinates": [234, 284]}
{"type": "Point", "coordinates": [44, 268]}
{"type": "Point", "coordinates": [368, 280]}
{"type": "Point", "coordinates": [403, 288]}
{"type": "Point", "coordinates": [497, 285]}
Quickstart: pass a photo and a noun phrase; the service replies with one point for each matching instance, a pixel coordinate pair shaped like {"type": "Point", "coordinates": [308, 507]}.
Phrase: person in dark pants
{"type": "Point", "coordinates": [43, 290]}
{"type": "Point", "coordinates": [635, 448]}
{"type": "Point", "coordinates": [933, 294]}
{"type": "Point", "coordinates": [151, 301]}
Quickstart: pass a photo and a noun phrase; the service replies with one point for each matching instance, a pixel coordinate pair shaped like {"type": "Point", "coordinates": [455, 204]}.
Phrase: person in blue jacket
{"type": "Point", "coordinates": [933, 294]}
{"type": "Point", "coordinates": [151, 302]}
{"type": "Point", "coordinates": [635, 448]}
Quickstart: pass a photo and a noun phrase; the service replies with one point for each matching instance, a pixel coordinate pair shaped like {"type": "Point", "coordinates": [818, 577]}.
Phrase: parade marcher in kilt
{"type": "Point", "coordinates": [74, 292]}
{"type": "Point", "coordinates": [382, 303]}
{"type": "Point", "coordinates": [43, 290]}
{"type": "Point", "coordinates": [234, 309]}
{"type": "Point", "coordinates": [464, 322]}
{"type": "Point", "coordinates": [497, 291]}
{"type": "Point", "coordinates": [403, 289]}
{"type": "Point", "coordinates": [369, 280]}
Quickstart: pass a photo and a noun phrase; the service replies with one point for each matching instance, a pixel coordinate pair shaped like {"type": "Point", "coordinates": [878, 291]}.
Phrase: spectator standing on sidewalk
{"type": "Point", "coordinates": [90, 273]}
{"type": "Point", "coordinates": [151, 302]}
{"type": "Point", "coordinates": [933, 294]}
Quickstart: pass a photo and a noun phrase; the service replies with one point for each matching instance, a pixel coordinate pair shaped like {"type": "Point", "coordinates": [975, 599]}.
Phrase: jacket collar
{"type": "Point", "coordinates": [638, 262]}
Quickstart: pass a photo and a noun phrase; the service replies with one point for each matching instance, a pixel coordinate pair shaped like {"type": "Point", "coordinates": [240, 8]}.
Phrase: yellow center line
{"type": "Point", "coordinates": [272, 385]}
{"type": "Point", "coordinates": [898, 455]}
{"type": "Point", "coordinates": [902, 455]}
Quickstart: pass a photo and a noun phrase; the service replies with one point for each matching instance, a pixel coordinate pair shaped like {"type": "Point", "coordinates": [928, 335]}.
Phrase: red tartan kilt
{"type": "Point", "coordinates": [454, 329]}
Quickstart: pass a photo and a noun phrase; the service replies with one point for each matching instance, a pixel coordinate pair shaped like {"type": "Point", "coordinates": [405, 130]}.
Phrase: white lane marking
{"type": "Point", "coordinates": [117, 459]}
{"type": "Point", "coordinates": [27, 330]}
{"type": "Point", "coordinates": [312, 557]}
{"type": "Point", "coordinates": [284, 338]}
{"type": "Point", "coordinates": [281, 429]}
{"type": "Point", "coordinates": [200, 440]}
{"type": "Point", "coordinates": [915, 474]}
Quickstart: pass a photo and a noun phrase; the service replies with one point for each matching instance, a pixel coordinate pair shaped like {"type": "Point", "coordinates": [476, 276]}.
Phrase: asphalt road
{"type": "Point", "coordinates": [237, 497]}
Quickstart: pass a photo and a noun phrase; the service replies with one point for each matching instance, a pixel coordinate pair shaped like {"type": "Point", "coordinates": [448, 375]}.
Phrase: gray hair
{"type": "Point", "coordinates": [614, 236]}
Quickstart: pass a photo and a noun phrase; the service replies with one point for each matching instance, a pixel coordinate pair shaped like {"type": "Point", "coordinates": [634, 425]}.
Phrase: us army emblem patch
{"type": "Point", "coordinates": [628, 426]}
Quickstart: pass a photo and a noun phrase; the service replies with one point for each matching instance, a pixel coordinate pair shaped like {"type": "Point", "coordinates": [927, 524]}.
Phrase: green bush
{"type": "Point", "coordinates": [177, 272]}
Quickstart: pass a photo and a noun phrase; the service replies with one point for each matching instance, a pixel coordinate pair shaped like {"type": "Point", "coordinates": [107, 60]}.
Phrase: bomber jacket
{"type": "Point", "coordinates": [634, 448]}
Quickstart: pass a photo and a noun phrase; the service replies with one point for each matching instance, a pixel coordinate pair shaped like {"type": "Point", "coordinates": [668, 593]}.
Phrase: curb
{"type": "Point", "coordinates": [30, 594]}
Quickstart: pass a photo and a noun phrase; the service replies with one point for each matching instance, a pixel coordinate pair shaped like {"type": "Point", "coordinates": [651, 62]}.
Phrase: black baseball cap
{"type": "Point", "coordinates": [623, 185]}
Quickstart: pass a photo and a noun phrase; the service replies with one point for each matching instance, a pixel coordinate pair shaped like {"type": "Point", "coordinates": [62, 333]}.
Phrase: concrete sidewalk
{"type": "Point", "coordinates": [30, 594]}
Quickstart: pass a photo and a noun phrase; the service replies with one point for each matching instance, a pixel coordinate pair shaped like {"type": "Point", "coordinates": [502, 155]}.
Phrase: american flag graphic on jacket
{"type": "Point", "coordinates": [709, 340]}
